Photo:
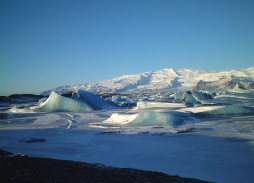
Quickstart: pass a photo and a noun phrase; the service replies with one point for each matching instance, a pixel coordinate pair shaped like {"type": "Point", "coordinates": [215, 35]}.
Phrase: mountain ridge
{"type": "Point", "coordinates": [161, 80]}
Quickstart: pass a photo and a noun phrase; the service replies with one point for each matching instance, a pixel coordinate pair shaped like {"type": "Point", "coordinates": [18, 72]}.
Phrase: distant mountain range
{"type": "Point", "coordinates": [167, 80]}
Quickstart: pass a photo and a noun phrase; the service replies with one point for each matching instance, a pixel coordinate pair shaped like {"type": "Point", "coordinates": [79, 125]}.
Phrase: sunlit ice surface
{"type": "Point", "coordinates": [211, 142]}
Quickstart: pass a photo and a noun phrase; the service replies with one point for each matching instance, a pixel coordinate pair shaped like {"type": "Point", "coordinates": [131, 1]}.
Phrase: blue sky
{"type": "Point", "coordinates": [49, 43]}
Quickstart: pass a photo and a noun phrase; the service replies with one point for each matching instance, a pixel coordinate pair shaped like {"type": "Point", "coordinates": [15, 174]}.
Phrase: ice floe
{"type": "Point", "coordinates": [154, 119]}
{"type": "Point", "coordinates": [141, 105]}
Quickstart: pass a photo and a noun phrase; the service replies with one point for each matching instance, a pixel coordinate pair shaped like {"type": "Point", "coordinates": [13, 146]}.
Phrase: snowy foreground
{"type": "Point", "coordinates": [212, 141]}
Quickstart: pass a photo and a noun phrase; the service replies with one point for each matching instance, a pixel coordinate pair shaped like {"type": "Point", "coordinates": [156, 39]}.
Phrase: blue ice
{"type": "Point", "coordinates": [43, 100]}
{"type": "Point", "coordinates": [154, 119]}
{"type": "Point", "coordinates": [226, 111]}
{"type": "Point", "coordinates": [178, 95]}
{"type": "Point", "coordinates": [93, 100]}
{"type": "Point", "coordinates": [62, 104]}
{"type": "Point", "coordinates": [200, 95]}
{"type": "Point", "coordinates": [118, 99]}
{"type": "Point", "coordinates": [189, 96]}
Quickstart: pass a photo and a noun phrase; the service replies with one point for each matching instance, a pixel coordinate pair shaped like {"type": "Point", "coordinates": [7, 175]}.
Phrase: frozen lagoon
{"type": "Point", "coordinates": [216, 149]}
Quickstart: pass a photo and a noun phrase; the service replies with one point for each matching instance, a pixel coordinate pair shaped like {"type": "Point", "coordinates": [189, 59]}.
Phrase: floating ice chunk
{"type": "Point", "coordinates": [240, 89]}
{"type": "Point", "coordinates": [177, 95]}
{"type": "Point", "coordinates": [154, 119]}
{"type": "Point", "coordinates": [214, 93]}
{"type": "Point", "coordinates": [236, 99]}
{"type": "Point", "coordinates": [143, 99]}
{"type": "Point", "coordinates": [166, 98]}
{"type": "Point", "coordinates": [226, 111]}
{"type": "Point", "coordinates": [117, 118]}
{"type": "Point", "coordinates": [199, 109]}
{"type": "Point", "coordinates": [200, 95]}
{"type": "Point", "coordinates": [111, 103]}
{"type": "Point", "coordinates": [239, 85]}
{"type": "Point", "coordinates": [140, 95]}
{"type": "Point", "coordinates": [93, 100]}
{"type": "Point", "coordinates": [118, 99]}
{"type": "Point", "coordinates": [20, 110]}
{"type": "Point", "coordinates": [56, 102]}
{"type": "Point", "coordinates": [42, 100]}
{"type": "Point", "coordinates": [141, 105]}
{"type": "Point", "coordinates": [129, 104]}
{"type": "Point", "coordinates": [188, 96]}
{"type": "Point", "coordinates": [192, 96]}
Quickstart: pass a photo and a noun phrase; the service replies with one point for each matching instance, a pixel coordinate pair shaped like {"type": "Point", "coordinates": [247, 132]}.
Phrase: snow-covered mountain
{"type": "Point", "coordinates": [162, 80]}
{"type": "Point", "coordinates": [224, 83]}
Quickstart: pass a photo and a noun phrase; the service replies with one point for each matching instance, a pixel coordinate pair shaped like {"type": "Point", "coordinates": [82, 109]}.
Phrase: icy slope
{"type": "Point", "coordinates": [166, 79]}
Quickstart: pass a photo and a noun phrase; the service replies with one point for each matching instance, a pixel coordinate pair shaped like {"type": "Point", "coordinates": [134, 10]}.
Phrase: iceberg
{"type": "Point", "coordinates": [57, 103]}
{"type": "Point", "coordinates": [111, 103]}
{"type": "Point", "coordinates": [89, 98]}
{"type": "Point", "coordinates": [117, 100]}
{"type": "Point", "coordinates": [43, 100]}
{"type": "Point", "coordinates": [154, 119]}
{"type": "Point", "coordinates": [240, 89]}
{"type": "Point", "coordinates": [188, 96]}
{"type": "Point", "coordinates": [20, 110]}
{"type": "Point", "coordinates": [200, 95]}
{"type": "Point", "coordinates": [177, 95]}
{"type": "Point", "coordinates": [191, 95]}
{"type": "Point", "coordinates": [214, 93]}
{"type": "Point", "coordinates": [141, 105]}
{"type": "Point", "coordinates": [122, 119]}
{"type": "Point", "coordinates": [226, 111]}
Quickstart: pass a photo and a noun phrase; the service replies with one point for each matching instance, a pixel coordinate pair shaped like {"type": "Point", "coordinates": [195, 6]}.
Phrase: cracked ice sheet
{"type": "Point", "coordinates": [219, 150]}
